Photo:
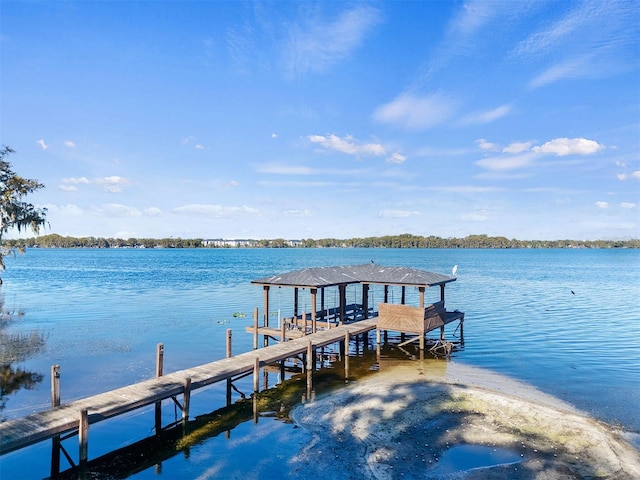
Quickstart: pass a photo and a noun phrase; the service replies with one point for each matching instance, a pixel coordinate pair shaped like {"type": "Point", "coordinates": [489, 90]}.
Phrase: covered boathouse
{"type": "Point", "coordinates": [417, 318]}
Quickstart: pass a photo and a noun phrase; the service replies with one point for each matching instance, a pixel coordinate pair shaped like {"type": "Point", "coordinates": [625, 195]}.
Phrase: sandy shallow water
{"type": "Point", "coordinates": [443, 420]}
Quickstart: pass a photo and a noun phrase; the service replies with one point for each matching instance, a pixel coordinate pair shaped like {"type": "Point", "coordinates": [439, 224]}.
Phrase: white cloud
{"type": "Point", "coordinates": [297, 213]}
{"type": "Point", "coordinates": [274, 135]}
{"type": "Point", "coordinates": [397, 158]}
{"type": "Point", "coordinates": [117, 210]}
{"type": "Point", "coordinates": [627, 205]}
{"type": "Point", "coordinates": [347, 145]}
{"type": "Point", "coordinates": [69, 210]}
{"type": "Point", "coordinates": [486, 116]}
{"type": "Point", "coordinates": [112, 184]}
{"type": "Point", "coordinates": [506, 162]}
{"type": "Point", "coordinates": [573, 68]}
{"type": "Point", "coordinates": [387, 213]}
{"type": "Point", "coordinates": [43, 145]}
{"type": "Point", "coordinates": [414, 112]}
{"type": "Point", "coordinates": [69, 143]}
{"type": "Point", "coordinates": [475, 216]}
{"type": "Point", "coordinates": [520, 154]}
{"type": "Point", "coordinates": [217, 211]}
{"type": "Point", "coordinates": [517, 147]}
{"type": "Point", "coordinates": [629, 176]}
{"type": "Point", "coordinates": [75, 180]}
{"type": "Point", "coordinates": [318, 45]}
{"type": "Point", "coordinates": [593, 39]}
{"type": "Point", "coordinates": [188, 139]}
{"type": "Point", "coordinates": [199, 147]}
{"type": "Point", "coordinates": [287, 170]}
{"type": "Point", "coordinates": [484, 145]}
{"type": "Point", "coordinates": [602, 205]}
{"type": "Point", "coordinates": [153, 212]}
{"type": "Point", "coordinates": [569, 146]}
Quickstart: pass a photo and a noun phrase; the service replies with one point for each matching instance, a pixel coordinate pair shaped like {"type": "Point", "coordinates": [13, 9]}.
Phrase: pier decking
{"type": "Point", "coordinates": [25, 431]}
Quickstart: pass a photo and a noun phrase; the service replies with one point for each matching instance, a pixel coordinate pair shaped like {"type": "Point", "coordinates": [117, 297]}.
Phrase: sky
{"type": "Point", "coordinates": [295, 120]}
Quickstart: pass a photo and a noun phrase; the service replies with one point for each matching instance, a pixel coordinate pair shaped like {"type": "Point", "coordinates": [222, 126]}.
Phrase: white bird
{"type": "Point", "coordinates": [454, 270]}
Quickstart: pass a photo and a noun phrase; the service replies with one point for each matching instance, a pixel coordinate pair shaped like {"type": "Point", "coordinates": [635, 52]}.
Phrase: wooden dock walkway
{"type": "Point", "coordinates": [76, 416]}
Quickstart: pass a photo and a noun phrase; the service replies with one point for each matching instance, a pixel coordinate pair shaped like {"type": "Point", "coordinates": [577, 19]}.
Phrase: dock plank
{"type": "Point", "coordinates": [19, 433]}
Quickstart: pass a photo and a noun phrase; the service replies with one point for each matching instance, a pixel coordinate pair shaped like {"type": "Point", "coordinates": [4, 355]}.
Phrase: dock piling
{"type": "Point", "coordinates": [159, 371]}
{"type": "Point", "coordinates": [186, 400]}
{"type": "Point", "coordinates": [255, 328]}
{"type": "Point", "coordinates": [346, 357]}
{"type": "Point", "coordinates": [55, 402]}
{"type": "Point", "coordinates": [83, 437]}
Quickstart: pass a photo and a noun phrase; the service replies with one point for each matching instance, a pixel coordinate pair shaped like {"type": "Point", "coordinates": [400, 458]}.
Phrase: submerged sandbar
{"type": "Point", "coordinates": [411, 418]}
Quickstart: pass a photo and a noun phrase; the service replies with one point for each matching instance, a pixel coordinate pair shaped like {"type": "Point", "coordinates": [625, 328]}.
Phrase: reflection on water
{"type": "Point", "coordinates": [460, 458]}
{"type": "Point", "coordinates": [15, 348]}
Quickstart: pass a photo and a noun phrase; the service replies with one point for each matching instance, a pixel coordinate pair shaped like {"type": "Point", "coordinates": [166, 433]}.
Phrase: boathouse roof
{"type": "Point", "coordinates": [319, 277]}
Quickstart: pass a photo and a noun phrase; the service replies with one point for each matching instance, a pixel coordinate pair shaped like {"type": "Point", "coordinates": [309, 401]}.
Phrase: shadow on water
{"type": "Point", "coordinates": [16, 348]}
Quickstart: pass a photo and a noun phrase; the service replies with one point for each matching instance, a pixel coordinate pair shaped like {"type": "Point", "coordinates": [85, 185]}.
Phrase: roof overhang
{"type": "Point", "coordinates": [320, 277]}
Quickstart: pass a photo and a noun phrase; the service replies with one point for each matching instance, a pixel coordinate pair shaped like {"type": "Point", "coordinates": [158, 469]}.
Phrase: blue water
{"type": "Point", "coordinates": [565, 321]}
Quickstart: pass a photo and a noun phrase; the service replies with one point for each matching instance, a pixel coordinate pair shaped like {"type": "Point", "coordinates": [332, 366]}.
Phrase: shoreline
{"type": "Point", "coordinates": [410, 419]}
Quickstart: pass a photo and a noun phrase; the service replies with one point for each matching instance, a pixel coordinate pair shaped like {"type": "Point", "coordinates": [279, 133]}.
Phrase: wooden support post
{"type": "Point", "coordinates": [310, 363]}
{"type": "Point", "coordinates": [55, 402]}
{"type": "Point", "coordinates": [342, 288]}
{"type": "Point", "coordinates": [442, 292]}
{"type": "Point", "coordinates": [186, 401]}
{"type": "Point", "coordinates": [283, 327]}
{"type": "Point", "coordinates": [442, 333]}
{"type": "Point", "coordinates": [346, 356]}
{"type": "Point", "coordinates": [55, 386]}
{"type": "Point", "coordinates": [403, 295]}
{"type": "Point", "coordinates": [422, 341]}
{"type": "Point", "coordinates": [314, 309]}
{"type": "Point", "coordinates": [159, 359]}
{"type": "Point", "coordinates": [83, 436]}
{"type": "Point", "coordinates": [159, 372]}
{"type": "Point", "coordinates": [365, 299]}
{"type": "Point", "coordinates": [386, 294]}
{"type": "Point", "coordinates": [255, 328]}
{"type": "Point", "coordinates": [256, 375]}
{"type": "Point", "coordinates": [421, 290]}
{"type": "Point", "coordinates": [310, 356]}
{"type": "Point", "coordinates": [377, 336]}
{"type": "Point", "coordinates": [304, 323]}
{"type": "Point", "coordinates": [229, 339]}
{"type": "Point", "coordinates": [229, 355]}
{"type": "Point", "coordinates": [266, 305]}
{"type": "Point", "coordinates": [295, 302]}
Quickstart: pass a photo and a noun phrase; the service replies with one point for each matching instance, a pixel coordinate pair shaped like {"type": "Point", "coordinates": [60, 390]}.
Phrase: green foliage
{"type": "Point", "coordinates": [14, 212]}
{"type": "Point", "coordinates": [390, 241]}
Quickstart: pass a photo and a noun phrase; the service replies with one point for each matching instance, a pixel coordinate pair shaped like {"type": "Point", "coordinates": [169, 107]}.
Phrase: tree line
{"type": "Point", "coordinates": [387, 241]}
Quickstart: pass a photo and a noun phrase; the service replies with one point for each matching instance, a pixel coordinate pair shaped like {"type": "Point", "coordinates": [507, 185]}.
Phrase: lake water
{"type": "Point", "coordinates": [565, 321]}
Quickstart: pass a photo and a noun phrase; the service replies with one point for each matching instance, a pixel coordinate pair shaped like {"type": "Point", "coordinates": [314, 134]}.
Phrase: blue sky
{"type": "Point", "coordinates": [330, 119]}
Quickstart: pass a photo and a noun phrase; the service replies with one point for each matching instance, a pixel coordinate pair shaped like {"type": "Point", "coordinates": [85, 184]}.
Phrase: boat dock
{"type": "Point", "coordinates": [78, 415]}
{"type": "Point", "coordinates": [300, 335]}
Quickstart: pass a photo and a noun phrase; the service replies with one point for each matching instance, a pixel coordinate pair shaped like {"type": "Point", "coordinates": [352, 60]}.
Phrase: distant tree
{"type": "Point", "coordinates": [14, 212]}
